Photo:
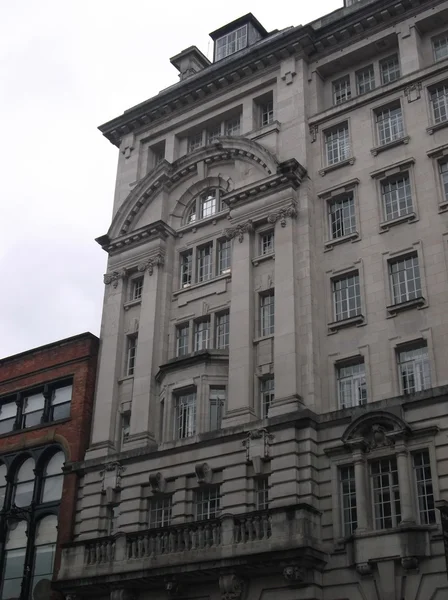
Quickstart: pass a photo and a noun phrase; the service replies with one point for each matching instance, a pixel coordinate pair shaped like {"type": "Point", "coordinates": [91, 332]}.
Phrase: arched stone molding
{"type": "Point", "coordinates": [169, 176]}
{"type": "Point", "coordinates": [185, 201]}
{"type": "Point", "coordinates": [374, 430]}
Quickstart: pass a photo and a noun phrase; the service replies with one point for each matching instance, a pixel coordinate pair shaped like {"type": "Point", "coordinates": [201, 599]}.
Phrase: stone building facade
{"type": "Point", "coordinates": [271, 404]}
{"type": "Point", "coordinates": [46, 400]}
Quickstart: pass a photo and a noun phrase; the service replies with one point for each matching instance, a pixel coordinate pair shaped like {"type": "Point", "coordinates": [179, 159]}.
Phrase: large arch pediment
{"type": "Point", "coordinates": [168, 176]}
{"type": "Point", "coordinates": [375, 429]}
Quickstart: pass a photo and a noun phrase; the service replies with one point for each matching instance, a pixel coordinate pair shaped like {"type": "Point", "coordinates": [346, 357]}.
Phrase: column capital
{"type": "Point", "coordinates": [114, 277]}
{"type": "Point", "coordinates": [150, 263]}
{"type": "Point", "coordinates": [283, 213]}
{"type": "Point", "coordinates": [239, 230]}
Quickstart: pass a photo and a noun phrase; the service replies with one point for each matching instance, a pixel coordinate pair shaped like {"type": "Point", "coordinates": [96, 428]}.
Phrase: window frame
{"type": "Point", "coordinates": [269, 248]}
{"type": "Point", "coordinates": [344, 156]}
{"type": "Point", "coordinates": [357, 311]}
{"type": "Point", "coordinates": [269, 308]}
{"type": "Point", "coordinates": [353, 217]}
{"type": "Point", "coordinates": [357, 381]}
{"type": "Point", "coordinates": [395, 283]}
{"type": "Point", "coordinates": [395, 516]}
{"type": "Point", "coordinates": [136, 288]}
{"type": "Point", "coordinates": [221, 56]}
{"type": "Point", "coordinates": [217, 396]}
{"type": "Point", "coordinates": [348, 526]}
{"type": "Point", "coordinates": [181, 327]}
{"type": "Point", "coordinates": [131, 354]}
{"type": "Point", "coordinates": [334, 92]}
{"type": "Point", "coordinates": [426, 365]}
{"type": "Point", "coordinates": [370, 70]}
{"type": "Point", "coordinates": [441, 36]}
{"type": "Point", "coordinates": [185, 425]}
{"type": "Point", "coordinates": [163, 504]}
{"type": "Point", "coordinates": [226, 333]}
{"type": "Point", "coordinates": [394, 126]}
{"type": "Point", "coordinates": [261, 492]}
{"type": "Point", "coordinates": [201, 325]}
{"type": "Point", "coordinates": [212, 502]}
{"type": "Point", "coordinates": [267, 394]}
{"type": "Point", "coordinates": [385, 61]}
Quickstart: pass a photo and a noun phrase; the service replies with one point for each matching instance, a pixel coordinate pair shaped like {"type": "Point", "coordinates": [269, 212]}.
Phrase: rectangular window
{"type": "Point", "coordinates": [194, 141]}
{"type": "Point", "coordinates": [267, 113]}
{"type": "Point", "coordinates": [337, 144]}
{"type": "Point", "coordinates": [267, 395]}
{"type": "Point", "coordinates": [405, 279]}
{"type": "Point", "coordinates": [390, 69]}
{"type": "Point", "coordinates": [60, 403]}
{"type": "Point", "coordinates": [159, 510]}
{"type": "Point", "coordinates": [182, 335]}
{"type": "Point", "coordinates": [125, 427]}
{"type": "Point", "coordinates": [443, 169]}
{"type": "Point", "coordinates": [232, 127]}
{"type": "Point", "coordinates": [389, 122]}
{"type": "Point", "coordinates": [413, 370]}
{"type": "Point", "coordinates": [224, 256]}
{"type": "Point", "coordinates": [341, 90]}
{"type": "Point", "coordinates": [397, 197]}
{"type": "Point", "coordinates": [8, 412]}
{"type": "Point", "coordinates": [346, 297]}
{"type": "Point", "coordinates": [204, 267]}
{"type": "Point", "coordinates": [213, 133]}
{"type": "Point", "coordinates": [14, 563]}
{"type": "Point", "coordinates": [202, 335]}
{"type": "Point", "coordinates": [137, 288]}
{"type": "Point", "coordinates": [385, 493]}
{"type": "Point", "coordinates": [352, 389]}
{"type": "Point", "coordinates": [348, 499]}
{"type": "Point", "coordinates": [440, 46]}
{"type": "Point", "coordinates": [217, 402]}
{"type": "Point", "coordinates": [262, 493]}
{"type": "Point", "coordinates": [266, 243]}
{"type": "Point", "coordinates": [186, 415]}
{"type": "Point", "coordinates": [186, 268]}
{"type": "Point", "coordinates": [113, 513]}
{"type": "Point", "coordinates": [365, 80]}
{"type": "Point", "coordinates": [222, 330]}
{"type": "Point", "coordinates": [439, 103]}
{"type": "Point", "coordinates": [231, 42]}
{"type": "Point", "coordinates": [425, 492]}
{"type": "Point", "coordinates": [33, 410]}
{"type": "Point", "coordinates": [209, 204]}
{"type": "Point", "coordinates": [342, 217]}
{"type": "Point", "coordinates": [207, 503]}
{"type": "Point", "coordinates": [267, 314]}
{"type": "Point", "coordinates": [131, 354]}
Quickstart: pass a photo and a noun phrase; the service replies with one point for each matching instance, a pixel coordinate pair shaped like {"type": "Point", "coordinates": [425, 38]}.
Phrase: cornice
{"type": "Point", "coordinates": [158, 230]}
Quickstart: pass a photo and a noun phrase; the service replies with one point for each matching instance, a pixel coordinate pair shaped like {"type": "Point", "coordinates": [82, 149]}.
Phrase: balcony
{"type": "Point", "coordinates": [282, 540]}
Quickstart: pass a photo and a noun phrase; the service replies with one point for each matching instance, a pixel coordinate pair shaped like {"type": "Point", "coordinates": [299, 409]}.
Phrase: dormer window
{"type": "Point", "coordinates": [231, 42]}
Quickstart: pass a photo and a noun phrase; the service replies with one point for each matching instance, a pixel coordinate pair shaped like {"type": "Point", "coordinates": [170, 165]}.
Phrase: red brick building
{"type": "Point", "coordinates": [46, 401]}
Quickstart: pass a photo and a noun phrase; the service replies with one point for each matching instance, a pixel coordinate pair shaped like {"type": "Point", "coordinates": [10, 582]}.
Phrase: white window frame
{"type": "Point", "coordinates": [389, 122]}
{"type": "Point", "coordinates": [438, 98]}
{"type": "Point", "coordinates": [396, 196]}
{"type": "Point", "coordinates": [185, 414]}
{"type": "Point", "coordinates": [217, 401]}
{"type": "Point", "coordinates": [261, 485]}
{"type": "Point", "coordinates": [131, 354]}
{"type": "Point", "coordinates": [405, 287]}
{"type": "Point", "coordinates": [392, 486]}
{"type": "Point", "coordinates": [186, 268]}
{"type": "Point", "coordinates": [337, 144]}
{"type": "Point", "coordinates": [224, 259]}
{"type": "Point", "coordinates": [182, 349]}
{"type": "Point", "coordinates": [222, 330]}
{"type": "Point", "coordinates": [195, 141]}
{"type": "Point", "coordinates": [204, 262]}
{"type": "Point", "coordinates": [349, 511]}
{"type": "Point", "coordinates": [136, 288]}
{"type": "Point", "coordinates": [390, 69]}
{"type": "Point", "coordinates": [418, 367]}
{"type": "Point", "coordinates": [365, 80]}
{"type": "Point", "coordinates": [267, 313]}
{"type": "Point", "coordinates": [351, 377]}
{"type": "Point", "coordinates": [267, 242]}
{"type": "Point", "coordinates": [207, 502]}
{"type": "Point", "coordinates": [424, 487]}
{"type": "Point", "coordinates": [440, 46]}
{"type": "Point", "coordinates": [343, 298]}
{"type": "Point", "coordinates": [201, 334]}
{"type": "Point", "coordinates": [231, 42]}
{"type": "Point", "coordinates": [342, 216]}
{"type": "Point", "coordinates": [160, 511]}
{"type": "Point", "coordinates": [341, 90]}
{"type": "Point", "coordinates": [267, 395]}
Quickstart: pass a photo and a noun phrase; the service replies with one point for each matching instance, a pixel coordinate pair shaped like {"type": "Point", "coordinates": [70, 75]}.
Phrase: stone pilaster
{"type": "Point", "coordinates": [404, 482]}
{"type": "Point", "coordinates": [360, 487]}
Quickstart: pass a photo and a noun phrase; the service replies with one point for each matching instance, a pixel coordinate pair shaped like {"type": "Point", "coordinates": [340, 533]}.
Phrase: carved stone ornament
{"type": "Point", "coordinates": [111, 476]}
{"type": "Point", "coordinates": [283, 213]}
{"type": "Point", "coordinates": [122, 595]}
{"type": "Point", "coordinates": [377, 438]}
{"type": "Point", "coordinates": [231, 586]}
{"type": "Point", "coordinates": [114, 277]}
{"type": "Point", "coordinates": [239, 230]}
{"type": "Point", "coordinates": [410, 563]}
{"type": "Point", "coordinates": [203, 473]}
{"type": "Point", "coordinates": [294, 573]}
{"type": "Point", "coordinates": [150, 263]}
{"type": "Point", "coordinates": [157, 482]}
{"type": "Point", "coordinates": [173, 588]}
{"type": "Point", "coordinates": [413, 92]}
{"type": "Point", "coordinates": [257, 444]}
{"type": "Point", "coordinates": [364, 569]}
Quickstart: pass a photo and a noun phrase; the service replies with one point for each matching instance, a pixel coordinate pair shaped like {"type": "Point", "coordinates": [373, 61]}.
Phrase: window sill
{"type": "Point", "coordinates": [437, 127]}
{"type": "Point", "coordinates": [200, 222]}
{"type": "Point", "coordinates": [409, 218]}
{"type": "Point", "coordinates": [131, 303]}
{"type": "Point", "coordinates": [351, 237]}
{"type": "Point", "coordinates": [378, 149]}
{"type": "Point", "coordinates": [443, 207]}
{"type": "Point", "coordinates": [335, 326]}
{"type": "Point", "coordinates": [125, 378]}
{"type": "Point", "coordinates": [264, 130]}
{"type": "Point", "coordinates": [261, 338]}
{"type": "Point", "coordinates": [263, 257]}
{"type": "Point", "coordinates": [24, 430]}
{"type": "Point", "coordinates": [394, 309]}
{"type": "Point", "coordinates": [338, 165]}
{"type": "Point", "coordinates": [195, 286]}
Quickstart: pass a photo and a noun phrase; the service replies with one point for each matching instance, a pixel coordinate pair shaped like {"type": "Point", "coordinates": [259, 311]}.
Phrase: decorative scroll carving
{"type": "Point", "coordinates": [111, 476]}
{"type": "Point", "coordinates": [282, 214]}
{"type": "Point", "coordinates": [410, 563]}
{"type": "Point", "coordinates": [114, 277]}
{"type": "Point", "coordinates": [203, 473]}
{"type": "Point", "coordinates": [231, 586]}
{"type": "Point", "coordinates": [364, 569]}
{"type": "Point", "coordinates": [294, 573]}
{"type": "Point", "coordinates": [157, 482]}
{"type": "Point", "coordinates": [313, 132]}
{"type": "Point", "coordinates": [377, 438]}
{"type": "Point", "coordinates": [150, 263]}
{"type": "Point", "coordinates": [239, 230]}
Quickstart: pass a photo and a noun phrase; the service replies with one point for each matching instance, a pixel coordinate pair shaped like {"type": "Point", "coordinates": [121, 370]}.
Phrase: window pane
{"type": "Point", "coordinates": [207, 503]}
{"type": "Point", "coordinates": [346, 297]}
{"type": "Point", "coordinates": [267, 391]}
{"type": "Point", "coordinates": [222, 331]}
{"type": "Point", "coordinates": [63, 394]}
{"type": "Point", "coordinates": [201, 335]}
{"type": "Point", "coordinates": [365, 80]}
{"type": "Point", "coordinates": [13, 569]}
{"type": "Point", "coordinates": [342, 217]}
{"type": "Point", "coordinates": [8, 413]}
{"type": "Point", "coordinates": [337, 144]}
{"type": "Point", "coordinates": [341, 90]}
{"type": "Point", "coordinates": [182, 334]}
{"type": "Point", "coordinates": [3, 483]}
{"type": "Point", "coordinates": [267, 243]}
{"type": "Point", "coordinates": [53, 480]}
{"type": "Point", "coordinates": [440, 45]}
{"type": "Point", "coordinates": [386, 495]}
{"type": "Point", "coordinates": [267, 314]}
{"type": "Point", "coordinates": [390, 69]}
{"type": "Point", "coordinates": [208, 204]}
{"type": "Point", "coordinates": [262, 493]}
{"type": "Point", "coordinates": [33, 409]}
{"type": "Point", "coordinates": [390, 125]}
{"type": "Point", "coordinates": [414, 370]}
{"type": "Point", "coordinates": [24, 484]}
{"type": "Point", "coordinates": [160, 511]}
{"type": "Point", "coordinates": [425, 492]}
{"type": "Point", "coordinates": [186, 416]}
{"type": "Point", "coordinates": [216, 403]}
{"type": "Point", "coordinates": [204, 263]}
{"type": "Point", "coordinates": [352, 389]}
{"type": "Point", "coordinates": [224, 256]}
{"type": "Point", "coordinates": [439, 100]}
{"type": "Point", "coordinates": [405, 279]}
{"type": "Point", "coordinates": [348, 495]}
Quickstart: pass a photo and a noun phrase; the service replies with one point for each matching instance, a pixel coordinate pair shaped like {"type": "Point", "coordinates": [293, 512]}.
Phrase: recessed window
{"type": "Point", "coordinates": [342, 217]}
{"type": "Point", "coordinates": [266, 243]}
{"type": "Point", "coordinates": [267, 395]}
{"type": "Point", "coordinates": [14, 560]}
{"type": "Point", "coordinates": [208, 204]}
{"type": "Point", "coordinates": [214, 132]}
{"type": "Point", "coordinates": [385, 493]}
{"type": "Point", "coordinates": [365, 80]}
{"type": "Point", "coordinates": [61, 398]}
{"type": "Point", "coordinates": [439, 102]}
{"type": "Point", "coordinates": [267, 113]}
{"type": "Point", "coordinates": [443, 170]}
{"type": "Point", "coordinates": [125, 427]}
{"type": "Point", "coordinates": [24, 483]}
{"type": "Point", "coordinates": [182, 335]}
{"type": "Point", "coordinates": [337, 144]}
{"type": "Point", "coordinates": [160, 510]}
{"type": "Point", "coordinates": [414, 370]}
{"type": "Point", "coordinates": [8, 412]}
{"type": "Point", "coordinates": [397, 197]}
{"type": "Point", "coordinates": [186, 268]}
{"type": "Point", "coordinates": [440, 46]}
{"type": "Point", "coordinates": [390, 69]}
{"type": "Point", "coordinates": [262, 493]}
{"type": "Point", "coordinates": [185, 423]}
{"type": "Point", "coordinates": [205, 205]}
{"type": "Point", "coordinates": [204, 266]}
{"type": "Point", "coordinates": [267, 305]}
{"type": "Point", "coordinates": [222, 330]}
{"type": "Point", "coordinates": [352, 388]}
{"type": "Point", "coordinates": [157, 154]}
{"type": "Point", "coordinates": [33, 410]}
{"type": "Point", "coordinates": [346, 297]}
{"type": "Point", "coordinates": [224, 256]}
{"type": "Point", "coordinates": [341, 90]}
{"type": "Point", "coordinates": [195, 141]}
{"type": "Point", "coordinates": [216, 407]}
{"type": "Point", "coordinates": [136, 288]}
{"type": "Point", "coordinates": [425, 490]}
{"type": "Point", "coordinates": [405, 279]}
{"type": "Point", "coordinates": [207, 503]}
{"type": "Point", "coordinates": [232, 127]}
{"type": "Point", "coordinates": [202, 334]}
{"type": "Point", "coordinates": [348, 499]}
{"type": "Point", "coordinates": [389, 123]}
{"type": "Point", "coordinates": [131, 354]}
{"type": "Point", "coordinates": [231, 42]}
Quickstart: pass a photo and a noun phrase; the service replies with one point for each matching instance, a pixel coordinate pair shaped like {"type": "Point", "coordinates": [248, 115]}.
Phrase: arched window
{"type": "Point", "coordinates": [14, 562]}
{"type": "Point", "coordinates": [53, 478]}
{"type": "Point", "coordinates": [24, 483]}
{"type": "Point", "coordinates": [44, 549]}
{"type": "Point", "coordinates": [191, 215]}
{"type": "Point", "coordinates": [3, 472]}
{"type": "Point", "coordinates": [205, 205]}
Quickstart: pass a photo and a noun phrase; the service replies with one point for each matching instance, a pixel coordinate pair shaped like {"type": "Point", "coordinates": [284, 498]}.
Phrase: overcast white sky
{"type": "Point", "coordinates": [67, 66]}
